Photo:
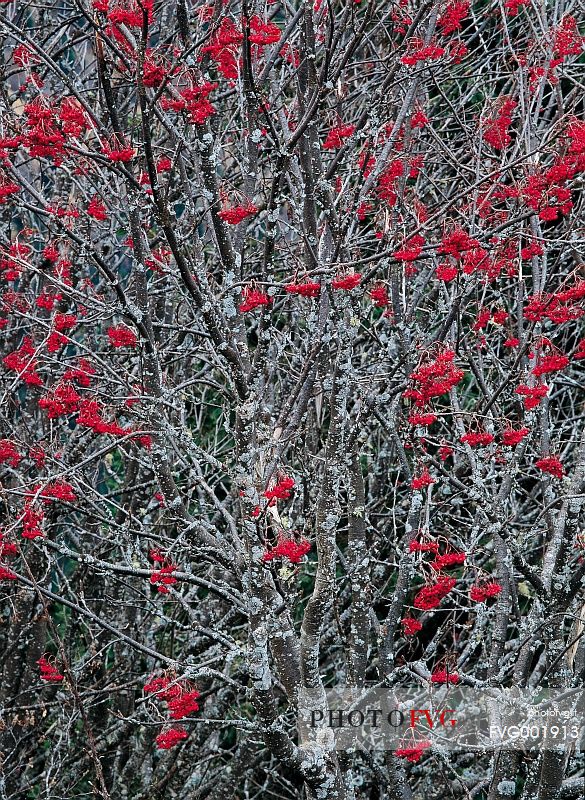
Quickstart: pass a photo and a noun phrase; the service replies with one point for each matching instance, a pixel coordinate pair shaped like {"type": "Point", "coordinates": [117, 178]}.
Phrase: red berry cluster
{"type": "Point", "coordinates": [181, 700]}
{"type": "Point", "coordinates": [444, 676]}
{"type": "Point", "coordinates": [414, 753]}
{"type": "Point", "coordinates": [49, 671]}
{"type": "Point", "coordinates": [163, 577]}
{"type": "Point", "coordinates": [433, 378]}
{"type": "Point", "coordinates": [483, 591]}
{"type": "Point", "coordinates": [236, 214]}
{"type": "Point", "coordinates": [430, 596]}
{"type": "Point", "coordinates": [552, 465]}
{"type": "Point", "coordinates": [254, 298]}
{"type": "Point", "coordinates": [288, 548]}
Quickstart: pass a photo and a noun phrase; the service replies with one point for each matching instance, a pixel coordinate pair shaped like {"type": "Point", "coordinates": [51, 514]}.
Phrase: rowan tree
{"type": "Point", "coordinates": [291, 313]}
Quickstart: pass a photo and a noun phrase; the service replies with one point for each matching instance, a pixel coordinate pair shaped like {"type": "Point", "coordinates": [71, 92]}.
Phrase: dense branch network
{"type": "Point", "coordinates": [291, 316]}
